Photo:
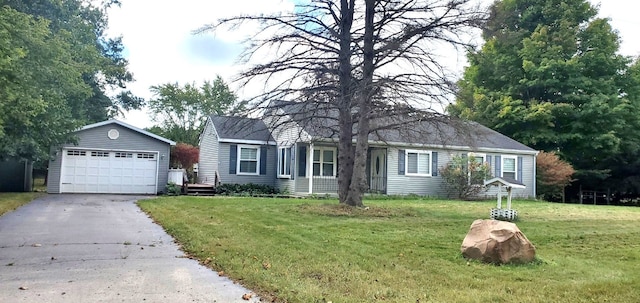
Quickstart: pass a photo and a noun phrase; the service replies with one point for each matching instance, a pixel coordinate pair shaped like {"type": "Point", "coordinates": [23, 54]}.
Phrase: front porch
{"type": "Point", "coordinates": [324, 179]}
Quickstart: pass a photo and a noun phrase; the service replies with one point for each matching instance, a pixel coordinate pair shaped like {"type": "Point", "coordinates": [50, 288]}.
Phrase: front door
{"type": "Point", "coordinates": [378, 171]}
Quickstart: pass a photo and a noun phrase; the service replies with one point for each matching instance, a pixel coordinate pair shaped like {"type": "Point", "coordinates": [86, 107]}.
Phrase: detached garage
{"type": "Point", "coordinates": [111, 157]}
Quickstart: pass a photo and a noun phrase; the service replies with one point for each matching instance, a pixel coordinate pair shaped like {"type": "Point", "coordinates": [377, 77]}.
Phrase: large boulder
{"type": "Point", "coordinates": [499, 242]}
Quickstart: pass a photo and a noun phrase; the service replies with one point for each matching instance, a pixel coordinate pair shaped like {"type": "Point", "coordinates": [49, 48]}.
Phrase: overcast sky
{"type": "Point", "coordinates": [161, 47]}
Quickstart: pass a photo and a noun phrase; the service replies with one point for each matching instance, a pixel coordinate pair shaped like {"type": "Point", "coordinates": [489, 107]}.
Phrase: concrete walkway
{"type": "Point", "coordinates": [99, 248]}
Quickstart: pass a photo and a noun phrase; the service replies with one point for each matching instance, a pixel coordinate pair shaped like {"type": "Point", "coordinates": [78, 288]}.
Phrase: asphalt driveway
{"type": "Point", "coordinates": [99, 248]}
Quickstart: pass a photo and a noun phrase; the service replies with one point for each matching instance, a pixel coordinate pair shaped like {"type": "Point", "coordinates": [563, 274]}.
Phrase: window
{"type": "Point", "coordinates": [76, 153]}
{"type": "Point", "coordinates": [476, 168]}
{"type": "Point", "coordinates": [509, 167]}
{"type": "Point", "coordinates": [284, 162]}
{"type": "Point", "coordinates": [99, 154]}
{"type": "Point", "coordinates": [248, 159]}
{"type": "Point", "coordinates": [418, 162]}
{"type": "Point", "coordinates": [146, 156]}
{"type": "Point", "coordinates": [124, 155]}
{"type": "Point", "coordinates": [324, 162]}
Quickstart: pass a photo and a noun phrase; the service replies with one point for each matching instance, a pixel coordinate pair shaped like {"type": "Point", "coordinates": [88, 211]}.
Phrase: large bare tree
{"type": "Point", "coordinates": [366, 65]}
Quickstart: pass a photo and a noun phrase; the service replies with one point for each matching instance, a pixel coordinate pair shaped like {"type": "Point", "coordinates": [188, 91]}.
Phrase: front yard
{"type": "Point", "coordinates": [297, 250]}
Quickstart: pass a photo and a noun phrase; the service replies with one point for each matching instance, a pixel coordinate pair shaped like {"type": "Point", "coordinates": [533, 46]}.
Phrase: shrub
{"type": "Point", "coordinates": [173, 189]}
{"type": "Point", "coordinates": [464, 177]}
{"type": "Point", "coordinates": [184, 156]}
{"type": "Point", "coordinates": [552, 175]}
{"type": "Point", "coordinates": [249, 189]}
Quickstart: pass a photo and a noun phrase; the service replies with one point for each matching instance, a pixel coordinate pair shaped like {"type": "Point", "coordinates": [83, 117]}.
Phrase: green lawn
{"type": "Point", "coordinates": [298, 250]}
{"type": "Point", "coordinates": [11, 201]}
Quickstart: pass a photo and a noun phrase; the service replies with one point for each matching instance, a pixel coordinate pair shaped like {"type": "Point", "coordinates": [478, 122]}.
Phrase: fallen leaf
{"type": "Point", "coordinates": [207, 261]}
{"type": "Point", "coordinates": [247, 296]}
{"type": "Point", "coordinates": [266, 265]}
{"type": "Point", "coordinates": [221, 273]}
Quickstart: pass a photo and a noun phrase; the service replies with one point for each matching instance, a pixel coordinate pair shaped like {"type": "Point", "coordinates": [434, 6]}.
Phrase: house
{"type": "Point", "coordinates": [295, 150]}
{"type": "Point", "coordinates": [110, 157]}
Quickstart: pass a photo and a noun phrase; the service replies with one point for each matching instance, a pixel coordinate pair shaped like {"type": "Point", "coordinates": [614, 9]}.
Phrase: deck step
{"type": "Point", "coordinates": [201, 189]}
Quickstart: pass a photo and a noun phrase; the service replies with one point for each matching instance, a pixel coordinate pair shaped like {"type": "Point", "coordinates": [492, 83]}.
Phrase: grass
{"type": "Point", "coordinates": [11, 201]}
{"type": "Point", "coordinates": [292, 250]}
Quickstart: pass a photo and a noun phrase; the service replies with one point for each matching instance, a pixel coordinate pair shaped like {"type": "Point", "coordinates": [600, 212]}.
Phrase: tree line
{"type": "Point", "coordinates": [58, 72]}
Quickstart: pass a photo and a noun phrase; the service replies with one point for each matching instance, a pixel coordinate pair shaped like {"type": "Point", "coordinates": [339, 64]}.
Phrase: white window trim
{"type": "Point", "coordinates": [287, 160]}
{"type": "Point", "coordinates": [474, 155]}
{"type": "Point", "coordinates": [335, 161]}
{"type": "Point", "coordinates": [515, 166]}
{"type": "Point", "coordinates": [239, 156]}
{"type": "Point", "coordinates": [417, 151]}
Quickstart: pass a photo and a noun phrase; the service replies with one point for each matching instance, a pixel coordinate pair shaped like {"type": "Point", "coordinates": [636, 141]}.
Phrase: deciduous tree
{"type": "Point", "coordinates": [182, 110]}
{"type": "Point", "coordinates": [373, 63]}
{"type": "Point", "coordinates": [549, 76]}
{"type": "Point", "coordinates": [552, 175]}
{"type": "Point", "coordinates": [56, 65]}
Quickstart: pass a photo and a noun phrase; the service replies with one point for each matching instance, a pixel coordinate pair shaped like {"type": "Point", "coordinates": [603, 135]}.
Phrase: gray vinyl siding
{"type": "Point", "coordinates": [287, 133]}
{"type": "Point", "coordinates": [129, 140]}
{"type": "Point", "coordinates": [286, 185]}
{"type": "Point", "coordinates": [226, 178]}
{"type": "Point", "coordinates": [419, 185]}
{"type": "Point", "coordinates": [54, 171]}
{"type": "Point", "coordinates": [302, 185]}
{"type": "Point", "coordinates": [208, 158]}
{"type": "Point", "coordinates": [434, 186]}
{"type": "Point", "coordinates": [528, 179]}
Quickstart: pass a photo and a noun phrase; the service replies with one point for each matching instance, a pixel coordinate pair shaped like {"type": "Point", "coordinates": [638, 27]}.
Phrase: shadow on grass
{"type": "Point", "coordinates": [341, 210]}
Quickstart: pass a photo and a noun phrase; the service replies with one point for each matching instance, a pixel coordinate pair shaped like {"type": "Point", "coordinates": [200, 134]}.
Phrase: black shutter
{"type": "Point", "coordinates": [233, 158]}
{"type": "Point", "coordinates": [302, 161]}
{"type": "Point", "coordinates": [498, 168]}
{"type": "Point", "coordinates": [263, 160]}
{"type": "Point", "coordinates": [489, 162]}
{"type": "Point", "coordinates": [293, 162]}
{"type": "Point", "coordinates": [519, 168]}
{"type": "Point", "coordinates": [401, 162]}
{"type": "Point", "coordinates": [465, 161]}
{"type": "Point", "coordinates": [434, 164]}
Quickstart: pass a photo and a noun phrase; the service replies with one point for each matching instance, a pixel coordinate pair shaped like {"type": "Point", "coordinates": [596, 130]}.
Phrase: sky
{"type": "Point", "coordinates": [161, 47]}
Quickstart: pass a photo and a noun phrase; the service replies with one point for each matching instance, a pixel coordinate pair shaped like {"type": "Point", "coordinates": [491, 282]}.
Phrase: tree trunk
{"type": "Point", "coordinates": [366, 91]}
{"type": "Point", "coordinates": [345, 147]}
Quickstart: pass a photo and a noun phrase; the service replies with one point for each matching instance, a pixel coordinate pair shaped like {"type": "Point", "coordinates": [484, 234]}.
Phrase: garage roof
{"type": "Point", "coordinates": [131, 127]}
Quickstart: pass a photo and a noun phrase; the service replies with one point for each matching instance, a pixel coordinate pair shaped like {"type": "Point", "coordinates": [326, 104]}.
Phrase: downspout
{"type": "Point", "coordinates": [535, 157]}
{"type": "Point", "coordinates": [310, 168]}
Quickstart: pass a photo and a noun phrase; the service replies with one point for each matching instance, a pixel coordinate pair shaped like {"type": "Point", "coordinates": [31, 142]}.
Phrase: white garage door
{"type": "Point", "coordinates": [114, 172]}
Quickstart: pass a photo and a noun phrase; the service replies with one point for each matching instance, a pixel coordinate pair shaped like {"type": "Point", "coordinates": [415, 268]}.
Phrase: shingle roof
{"type": "Point", "coordinates": [320, 122]}
{"type": "Point", "coordinates": [240, 128]}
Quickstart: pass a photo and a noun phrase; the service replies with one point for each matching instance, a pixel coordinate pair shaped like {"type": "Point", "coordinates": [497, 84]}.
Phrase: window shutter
{"type": "Point", "coordinates": [233, 158]}
{"type": "Point", "coordinates": [292, 161]}
{"type": "Point", "coordinates": [302, 161]}
{"type": "Point", "coordinates": [368, 167]}
{"type": "Point", "coordinates": [465, 161]}
{"type": "Point", "coordinates": [401, 162]}
{"type": "Point", "coordinates": [498, 168]}
{"type": "Point", "coordinates": [434, 164]}
{"type": "Point", "coordinates": [519, 172]}
{"type": "Point", "coordinates": [489, 162]}
{"type": "Point", "coordinates": [263, 160]}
